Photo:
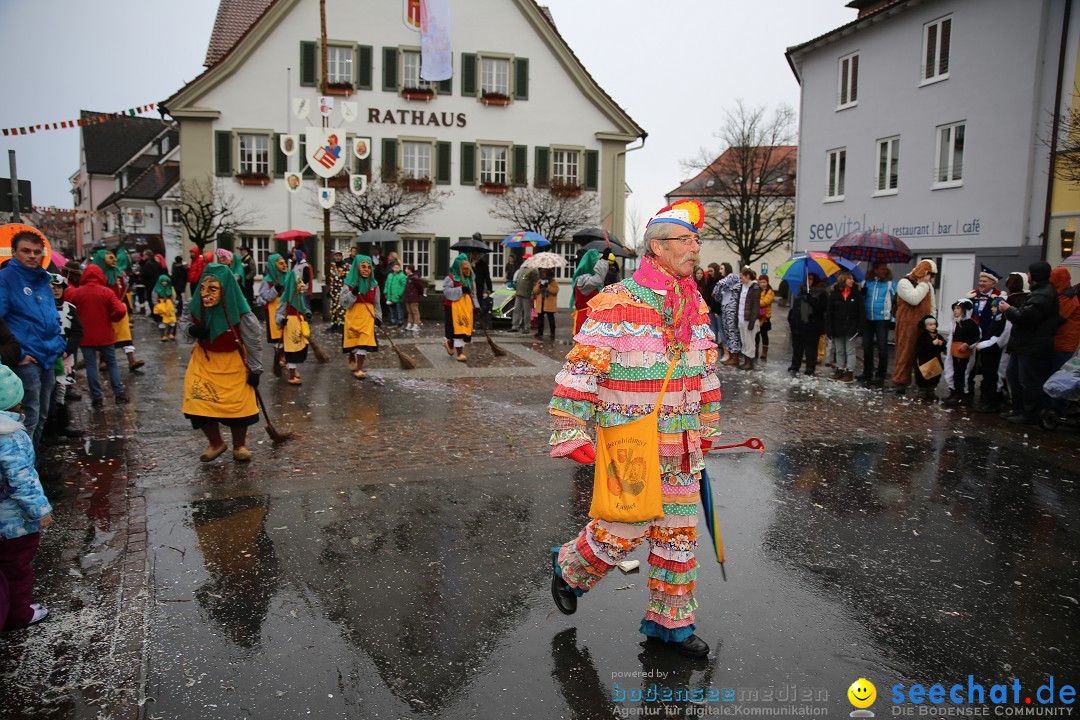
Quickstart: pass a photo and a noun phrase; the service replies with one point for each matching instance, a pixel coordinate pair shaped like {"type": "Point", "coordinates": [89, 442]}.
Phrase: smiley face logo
{"type": "Point", "coordinates": [862, 693]}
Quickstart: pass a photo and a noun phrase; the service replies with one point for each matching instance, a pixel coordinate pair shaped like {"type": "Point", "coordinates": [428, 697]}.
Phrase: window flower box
{"type": "Point", "coordinates": [494, 188]}
{"type": "Point", "coordinates": [345, 89]}
{"type": "Point", "coordinates": [495, 98]}
{"type": "Point", "coordinates": [412, 93]}
{"type": "Point", "coordinates": [417, 184]}
{"type": "Point", "coordinates": [253, 178]}
{"type": "Point", "coordinates": [565, 189]}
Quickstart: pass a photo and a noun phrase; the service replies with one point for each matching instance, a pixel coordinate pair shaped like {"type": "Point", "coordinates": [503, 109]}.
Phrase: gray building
{"type": "Point", "coordinates": [922, 118]}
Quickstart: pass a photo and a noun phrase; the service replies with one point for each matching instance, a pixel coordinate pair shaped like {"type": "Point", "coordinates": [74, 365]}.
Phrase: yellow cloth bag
{"type": "Point", "coordinates": [461, 312]}
{"type": "Point", "coordinates": [626, 481]}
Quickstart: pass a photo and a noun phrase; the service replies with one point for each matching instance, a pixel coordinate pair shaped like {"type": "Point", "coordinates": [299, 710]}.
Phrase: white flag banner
{"type": "Point", "coordinates": [436, 56]}
{"type": "Point", "coordinates": [326, 105]}
{"type": "Point", "coordinates": [301, 108]}
{"type": "Point", "coordinates": [288, 145]}
{"type": "Point", "coordinates": [348, 111]}
{"type": "Point", "coordinates": [293, 181]}
{"type": "Point", "coordinates": [357, 184]}
{"type": "Point", "coordinates": [327, 196]}
{"type": "Point", "coordinates": [322, 149]}
{"type": "Point", "coordinates": [361, 147]}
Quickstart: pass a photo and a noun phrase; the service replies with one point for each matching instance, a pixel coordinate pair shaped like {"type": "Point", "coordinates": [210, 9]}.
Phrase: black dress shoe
{"type": "Point", "coordinates": [691, 647]}
{"type": "Point", "coordinates": [97, 402]}
{"type": "Point", "coordinates": [564, 596]}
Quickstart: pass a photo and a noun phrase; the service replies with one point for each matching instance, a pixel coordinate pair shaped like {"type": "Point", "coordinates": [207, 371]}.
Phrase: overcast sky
{"type": "Point", "coordinates": [675, 67]}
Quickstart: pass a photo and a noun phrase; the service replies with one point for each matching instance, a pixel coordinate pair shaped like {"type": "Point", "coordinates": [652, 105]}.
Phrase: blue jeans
{"type": "Point", "coordinates": [108, 356]}
{"type": "Point", "coordinates": [38, 384]}
{"type": "Point", "coordinates": [397, 313]}
{"type": "Point", "coordinates": [717, 327]}
{"type": "Point", "coordinates": [875, 330]}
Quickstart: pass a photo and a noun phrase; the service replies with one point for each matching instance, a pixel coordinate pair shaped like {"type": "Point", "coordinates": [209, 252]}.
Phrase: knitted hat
{"type": "Point", "coordinates": [688, 213]}
{"type": "Point", "coordinates": [1039, 271]}
{"type": "Point", "coordinates": [11, 388]}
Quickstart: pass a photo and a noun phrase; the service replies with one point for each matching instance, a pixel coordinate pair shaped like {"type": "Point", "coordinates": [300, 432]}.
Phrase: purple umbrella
{"type": "Point", "coordinates": [872, 246]}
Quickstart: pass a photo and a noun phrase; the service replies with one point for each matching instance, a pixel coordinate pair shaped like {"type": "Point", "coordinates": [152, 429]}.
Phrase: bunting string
{"type": "Point", "coordinates": [81, 122]}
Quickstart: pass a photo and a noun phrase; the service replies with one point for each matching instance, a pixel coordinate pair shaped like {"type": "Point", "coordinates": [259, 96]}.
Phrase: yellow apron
{"type": "Point", "coordinates": [626, 481]}
{"type": "Point", "coordinates": [166, 311]}
{"type": "Point", "coordinates": [359, 326]}
{"type": "Point", "coordinates": [295, 334]}
{"type": "Point", "coordinates": [215, 385]}
{"type": "Point", "coordinates": [122, 329]}
{"type": "Point", "coordinates": [271, 311]}
{"type": "Point", "coordinates": [461, 312]}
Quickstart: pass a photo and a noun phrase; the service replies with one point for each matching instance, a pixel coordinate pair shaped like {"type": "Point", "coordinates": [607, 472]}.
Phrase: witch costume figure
{"type": "Point", "coordinates": [220, 382]}
{"type": "Point", "coordinates": [111, 264]}
{"type": "Point", "coordinates": [588, 279]}
{"type": "Point", "coordinates": [459, 304]}
{"type": "Point", "coordinates": [273, 283]}
{"type": "Point", "coordinates": [291, 316]}
{"type": "Point", "coordinates": [360, 299]}
{"type": "Point", "coordinates": [646, 353]}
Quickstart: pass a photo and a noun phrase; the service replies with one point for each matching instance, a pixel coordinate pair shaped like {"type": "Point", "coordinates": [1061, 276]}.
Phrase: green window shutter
{"type": "Point", "coordinates": [308, 63]}
{"type": "Point", "coordinates": [468, 163]}
{"type": "Point", "coordinates": [223, 141]}
{"type": "Point", "coordinates": [281, 161]}
{"type": "Point", "coordinates": [592, 169]}
{"type": "Point", "coordinates": [308, 173]}
{"type": "Point", "coordinates": [540, 168]}
{"type": "Point", "coordinates": [442, 258]}
{"type": "Point", "coordinates": [442, 164]}
{"type": "Point", "coordinates": [446, 87]}
{"type": "Point", "coordinates": [521, 165]}
{"type": "Point", "coordinates": [363, 67]}
{"type": "Point", "coordinates": [521, 78]}
{"type": "Point", "coordinates": [468, 74]}
{"type": "Point", "coordinates": [389, 70]}
{"type": "Point", "coordinates": [389, 159]}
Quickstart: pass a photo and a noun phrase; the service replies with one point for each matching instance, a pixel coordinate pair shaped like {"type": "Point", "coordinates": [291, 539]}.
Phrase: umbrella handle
{"type": "Point", "coordinates": [751, 443]}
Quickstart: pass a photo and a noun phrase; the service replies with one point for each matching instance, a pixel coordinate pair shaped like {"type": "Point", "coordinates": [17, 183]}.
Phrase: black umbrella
{"type": "Point", "coordinates": [472, 243]}
{"type": "Point", "coordinates": [615, 247]}
{"type": "Point", "coordinates": [582, 237]}
{"type": "Point", "coordinates": [377, 236]}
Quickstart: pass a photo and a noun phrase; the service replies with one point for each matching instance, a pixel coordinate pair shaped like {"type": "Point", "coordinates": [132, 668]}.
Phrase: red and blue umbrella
{"type": "Point", "coordinates": [872, 246]}
{"type": "Point", "coordinates": [523, 238]}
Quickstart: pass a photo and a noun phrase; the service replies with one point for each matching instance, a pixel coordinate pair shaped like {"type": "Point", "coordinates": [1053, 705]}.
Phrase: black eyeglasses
{"type": "Point", "coordinates": [686, 240]}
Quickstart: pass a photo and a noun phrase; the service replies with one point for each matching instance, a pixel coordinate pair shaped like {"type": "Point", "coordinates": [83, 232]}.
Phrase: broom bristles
{"type": "Point", "coordinates": [320, 355]}
{"type": "Point", "coordinates": [498, 351]}
{"type": "Point", "coordinates": [406, 362]}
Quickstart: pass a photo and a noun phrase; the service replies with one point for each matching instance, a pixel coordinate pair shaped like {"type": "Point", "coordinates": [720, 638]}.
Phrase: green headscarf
{"type": "Point", "coordinates": [354, 281]}
{"type": "Point", "coordinates": [585, 266]}
{"type": "Point", "coordinates": [238, 268]}
{"type": "Point", "coordinates": [110, 272]}
{"type": "Point", "coordinates": [231, 307]}
{"type": "Point", "coordinates": [291, 295]}
{"type": "Point", "coordinates": [123, 260]}
{"type": "Point", "coordinates": [455, 271]}
{"type": "Point", "coordinates": [272, 273]}
{"type": "Point", "coordinates": [164, 288]}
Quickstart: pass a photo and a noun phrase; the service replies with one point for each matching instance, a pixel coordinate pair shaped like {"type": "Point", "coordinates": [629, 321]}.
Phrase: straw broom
{"type": "Point", "coordinates": [276, 435]}
{"type": "Point", "coordinates": [498, 351]}
{"type": "Point", "coordinates": [406, 362]}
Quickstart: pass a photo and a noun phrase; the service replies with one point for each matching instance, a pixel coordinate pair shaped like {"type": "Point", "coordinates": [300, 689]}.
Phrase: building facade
{"type": "Point", "coordinates": [519, 110]}
{"type": "Point", "coordinates": [922, 118]}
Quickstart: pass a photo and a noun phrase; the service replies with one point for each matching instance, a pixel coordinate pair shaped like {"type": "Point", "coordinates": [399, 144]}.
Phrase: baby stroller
{"type": "Point", "coordinates": [1063, 389]}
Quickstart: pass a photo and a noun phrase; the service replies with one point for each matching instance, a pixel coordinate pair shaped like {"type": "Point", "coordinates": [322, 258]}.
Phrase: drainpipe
{"type": "Point", "coordinates": [622, 153]}
{"type": "Point", "coordinates": [1055, 128]}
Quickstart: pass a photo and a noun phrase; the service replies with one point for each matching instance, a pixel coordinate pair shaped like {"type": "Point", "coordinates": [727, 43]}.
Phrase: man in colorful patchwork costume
{"type": "Point", "coordinates": [613, 376]}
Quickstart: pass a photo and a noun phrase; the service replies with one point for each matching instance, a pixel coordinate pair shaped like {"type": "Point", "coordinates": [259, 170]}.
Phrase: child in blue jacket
{"type": "Point", "coordinates": [24, 510]}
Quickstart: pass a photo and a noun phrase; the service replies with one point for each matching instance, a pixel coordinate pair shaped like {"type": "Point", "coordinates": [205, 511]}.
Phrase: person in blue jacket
{"type": "Point", "coordinates": [28, 308]}
{"type": "Point", "coordinates": [879, 293]}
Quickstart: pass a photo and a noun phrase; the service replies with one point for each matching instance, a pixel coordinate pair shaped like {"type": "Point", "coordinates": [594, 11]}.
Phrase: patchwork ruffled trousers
{"type": "Point", "coordinates": [672, 539]}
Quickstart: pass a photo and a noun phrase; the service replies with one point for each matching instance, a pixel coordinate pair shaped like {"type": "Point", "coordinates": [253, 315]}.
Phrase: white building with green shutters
{"type": "Point", "coordinates": [520, 110]}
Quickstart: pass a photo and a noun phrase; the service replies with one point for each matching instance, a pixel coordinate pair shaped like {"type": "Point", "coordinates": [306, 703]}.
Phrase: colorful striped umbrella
{"type": "Point", "coordinates": [523, 238]}
{"type": "Point", "coordinates": [797, 268]}
{"type": "Point", "coordinates": [1071, 261]}
{"type": "Point", "coordinates": [872, 246]}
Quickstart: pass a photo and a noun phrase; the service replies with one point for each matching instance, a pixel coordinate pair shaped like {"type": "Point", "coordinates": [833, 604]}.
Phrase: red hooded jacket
{"type": "Point", "coordinates": [98, 307]}
{"type": "Point", "coordinates": [1067, 337]}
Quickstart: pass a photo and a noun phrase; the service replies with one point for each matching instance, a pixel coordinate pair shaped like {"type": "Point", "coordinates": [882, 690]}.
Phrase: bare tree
{"type": "Point", "coordinates": [635, 228]}
{"type": "Point", "coordinates": [208, 210]}
{"type": "Point", "coordinates": [385, 206]}
{"type": "Point", "coordinates": [750, 187]}
{"type": "Point", "coordinates": [553, 214]}
{"type": "Point", "coordinates": [1065, 152]}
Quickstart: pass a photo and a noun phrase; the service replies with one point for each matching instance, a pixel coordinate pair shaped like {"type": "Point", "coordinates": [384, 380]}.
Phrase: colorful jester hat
{"type": "Point", "coordinates": [681, 297]}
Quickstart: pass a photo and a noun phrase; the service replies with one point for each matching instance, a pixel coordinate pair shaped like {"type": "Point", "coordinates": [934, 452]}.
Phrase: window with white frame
{"type": "Point", "coordinates": [417, 252]}
{"type": "Point", "coordinates": [260, 249]}
{"type": "Point", "coordinates": [937, 43]}
{"type": "Point", "coordinates": [416, 160]}
{"type": "Point", "coordinates": [410, 70]}
{"type": "Point", "coordinates": [497, 260]}
{"type": "Point", "coordinates": [343, 244]}
{"type": "Point", "coordinates": [835, 173]}
{"type": "Point", "coordinates": [949, 168]}
{"type": "Point", "coordinates": [493, 165]}
{"type": "Point", "coordinates": [569, 251]}
{"type": "Point", "coordinates": [495, 75]}
{"type": "Point", "coordinates": [339, 65]}
{"type": "Point", "coordinates": [172, 216]}
{"type": "Point", "coordinates": [847, 93]}
{"type": "Point", "coordinates": [254, 155]}
{"type": "Point", "coordinates": [566, 167]}
{"type": "Point", "coordinates": [887, 173]}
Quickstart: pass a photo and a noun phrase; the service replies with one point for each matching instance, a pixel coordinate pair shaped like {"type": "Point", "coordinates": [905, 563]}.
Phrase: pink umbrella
{"type": "Point", "coordinates": [57, 259]}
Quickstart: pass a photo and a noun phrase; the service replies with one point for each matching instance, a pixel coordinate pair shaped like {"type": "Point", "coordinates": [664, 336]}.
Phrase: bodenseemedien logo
{"type": "Point", "coordinates": [862, 694]}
